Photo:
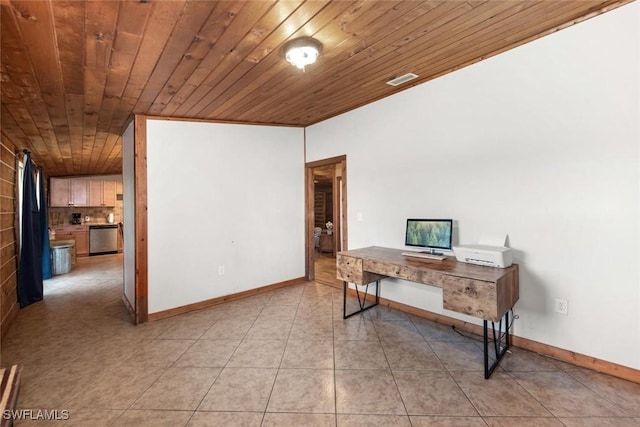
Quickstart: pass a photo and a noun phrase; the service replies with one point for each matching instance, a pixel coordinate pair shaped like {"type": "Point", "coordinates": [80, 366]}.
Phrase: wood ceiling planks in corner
{"type": "Point", "coordinates": [74, 72]}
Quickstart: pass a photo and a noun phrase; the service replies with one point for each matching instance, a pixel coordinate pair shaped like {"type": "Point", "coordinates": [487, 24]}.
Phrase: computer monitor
{"type": "Point", "coordinates": [429, 233]}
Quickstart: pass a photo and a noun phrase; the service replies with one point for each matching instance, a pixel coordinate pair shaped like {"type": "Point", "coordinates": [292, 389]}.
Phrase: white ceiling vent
{"type": "Point", "coordinates": [402, 79]}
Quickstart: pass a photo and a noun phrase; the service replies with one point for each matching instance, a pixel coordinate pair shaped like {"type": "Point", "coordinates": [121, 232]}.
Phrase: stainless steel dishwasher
{"type": "Point", "coordinates": [103, 239]}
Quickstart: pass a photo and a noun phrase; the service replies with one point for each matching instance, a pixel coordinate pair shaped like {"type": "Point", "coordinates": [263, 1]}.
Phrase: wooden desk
{"type": "Point", "coordinates": [487, 293]}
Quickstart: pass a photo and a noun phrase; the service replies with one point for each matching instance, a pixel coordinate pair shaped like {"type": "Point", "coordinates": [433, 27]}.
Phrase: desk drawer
{"type": "Point", "coordinates": [473, 297]}
{"type": "Point", "coordinates": [349, 269]}
{"type": "Point", "coordinates": [393, 270]}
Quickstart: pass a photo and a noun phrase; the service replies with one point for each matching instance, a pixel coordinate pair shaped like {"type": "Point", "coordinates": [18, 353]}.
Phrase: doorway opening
{"type": "Point", "coordinates": [326, 224]}
{"type": "Point", "coordinates": [86, 241]}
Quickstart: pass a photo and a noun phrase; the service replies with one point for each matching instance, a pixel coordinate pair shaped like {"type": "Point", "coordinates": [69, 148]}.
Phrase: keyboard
{"type": "Point", "coordinates": [423, 255]}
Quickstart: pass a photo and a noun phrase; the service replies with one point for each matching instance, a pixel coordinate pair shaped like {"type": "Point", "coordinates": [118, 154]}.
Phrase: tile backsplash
{"type": "Point", "coordinates": [62, 216]}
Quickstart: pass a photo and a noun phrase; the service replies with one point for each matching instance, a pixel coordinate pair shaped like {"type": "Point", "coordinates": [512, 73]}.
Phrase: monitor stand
{"type": "Point", "coordinates": [431, 252]}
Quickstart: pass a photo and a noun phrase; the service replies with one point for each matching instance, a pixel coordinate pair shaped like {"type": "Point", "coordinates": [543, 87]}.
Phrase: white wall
{"type": "Point", "coordinates": [542, 143]}
{"type": "Point", "coordinates": [128, 196]}
{"type": "Point", "coordinates": [222, 195]}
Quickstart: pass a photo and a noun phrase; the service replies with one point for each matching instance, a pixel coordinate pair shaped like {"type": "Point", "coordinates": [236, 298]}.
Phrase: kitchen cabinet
{"type": "Point", "coordinates": [109, 193]}
{"type": "Point", "coordinates": [78, 233]}
{"type": "Point", "coordinates": [75, 192]}
{"type": "Point", "coordinates": [68, 192]}
{"type": "Point", "coordinates": [59, 192]}
{"type": "Point", "coordinates": [102, 193]}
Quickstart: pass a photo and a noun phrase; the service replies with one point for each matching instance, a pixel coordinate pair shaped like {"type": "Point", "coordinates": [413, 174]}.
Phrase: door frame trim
{"type": "Point", "coordinates": [141, 309]}
{"type": "Point", "coordinates": [340, 163]}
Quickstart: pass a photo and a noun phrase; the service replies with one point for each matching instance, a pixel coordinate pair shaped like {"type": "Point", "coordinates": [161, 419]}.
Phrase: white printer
{"type": "Point", "coordinates": [489, 252]}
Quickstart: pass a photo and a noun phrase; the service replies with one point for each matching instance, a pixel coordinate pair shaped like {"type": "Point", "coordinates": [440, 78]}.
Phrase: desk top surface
{"type": "Point", "coordinates": [449, 266]}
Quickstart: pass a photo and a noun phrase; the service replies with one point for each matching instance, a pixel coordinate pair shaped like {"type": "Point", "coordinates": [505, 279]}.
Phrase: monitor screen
{"type": "Point", "coordinates": [429, 233]}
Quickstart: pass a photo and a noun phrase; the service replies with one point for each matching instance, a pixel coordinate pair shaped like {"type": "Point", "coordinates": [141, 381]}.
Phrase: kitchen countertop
{"type": "Point", "coordinates": [85, 224]}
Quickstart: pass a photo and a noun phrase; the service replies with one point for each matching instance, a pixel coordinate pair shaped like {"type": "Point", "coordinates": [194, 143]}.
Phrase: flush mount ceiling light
{"type": "Point", "coordinates": [302, 51]}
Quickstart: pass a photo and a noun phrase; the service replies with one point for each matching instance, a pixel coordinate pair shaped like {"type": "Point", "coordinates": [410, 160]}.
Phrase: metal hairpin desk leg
{"type": "Point", "coordinates": [361, 301]}
{"type": "Point", "coordinates": [499, 351]}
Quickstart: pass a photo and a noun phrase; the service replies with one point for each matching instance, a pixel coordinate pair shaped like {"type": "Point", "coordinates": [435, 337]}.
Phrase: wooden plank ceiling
{"type": "Point", "coordinates": [74, 72]}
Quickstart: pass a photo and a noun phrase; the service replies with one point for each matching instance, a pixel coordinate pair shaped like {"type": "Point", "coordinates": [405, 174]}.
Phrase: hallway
{"type": "Point", "coordinates": [325, 270]}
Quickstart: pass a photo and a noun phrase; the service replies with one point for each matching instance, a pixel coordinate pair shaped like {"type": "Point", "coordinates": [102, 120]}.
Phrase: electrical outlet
{"type": "Point", "coordinates": [562, 306]}
{"type": "Point", "coordinates": [221, 270]}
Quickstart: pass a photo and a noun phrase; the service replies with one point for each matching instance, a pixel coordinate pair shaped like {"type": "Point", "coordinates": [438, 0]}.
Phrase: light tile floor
{"type": "Point", "coordinates": [283, 358]}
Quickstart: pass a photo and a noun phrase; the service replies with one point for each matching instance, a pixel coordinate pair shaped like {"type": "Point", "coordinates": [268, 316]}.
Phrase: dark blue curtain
{"type": "Point", "coordinates": [44, 225]}
{"type": "Point", "coordinates": [30, 270]}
